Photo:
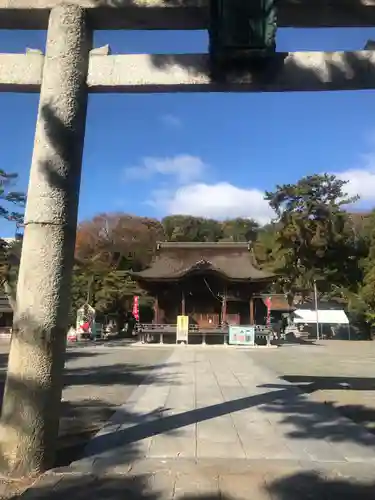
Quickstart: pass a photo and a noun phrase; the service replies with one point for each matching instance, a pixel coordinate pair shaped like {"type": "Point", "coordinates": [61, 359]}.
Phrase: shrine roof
{"type": "Point", "coordinates": [235, 261]}
{"type": "Point", "coordinates": [279, 302]}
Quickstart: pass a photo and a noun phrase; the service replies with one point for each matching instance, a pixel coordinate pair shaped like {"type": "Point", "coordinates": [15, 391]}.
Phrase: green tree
{"type": "Point", "coordinates": [119, 241]}
{"type": "Point", "coordinates": [115, 292]}
{"type": "Point", "coordinates": [188, 228]}
{"type": "Point", "coordinates": [264, 247]}
{"type": "Point", "coordinates": [10, 198]}
{"type": "Point", "coordinates": [314, 238]}
{"type": "Point", "coordinates": [10, 253]}
{"type": "Point", "coordinates": [240, 229]}
{"type": "Point", "coordinates": [108, 247]}
{"type": "Point", "coordinates": [367, 291]}
{"type": "Point", "coordinates": [109, 291]}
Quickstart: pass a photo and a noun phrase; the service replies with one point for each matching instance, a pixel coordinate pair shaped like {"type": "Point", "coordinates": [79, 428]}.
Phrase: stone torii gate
{"type": "Point", "coordinates": [64, 76]}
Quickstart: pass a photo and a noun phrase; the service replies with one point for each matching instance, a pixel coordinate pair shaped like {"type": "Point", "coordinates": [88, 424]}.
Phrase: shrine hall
{"type": "Point", "coordinates": [212, 283]}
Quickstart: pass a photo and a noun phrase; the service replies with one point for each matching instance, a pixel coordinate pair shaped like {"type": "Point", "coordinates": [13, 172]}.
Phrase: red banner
{"type": "Point", "coordinates": [136, 307]}
{"type": "Point", "coordinates": [268, 304]}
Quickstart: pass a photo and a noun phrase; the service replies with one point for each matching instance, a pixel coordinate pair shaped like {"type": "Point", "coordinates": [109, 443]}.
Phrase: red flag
{"type": "Point", "coordinates": [136, 307]}
{"type": "Point", "coordinates": [268, 304]}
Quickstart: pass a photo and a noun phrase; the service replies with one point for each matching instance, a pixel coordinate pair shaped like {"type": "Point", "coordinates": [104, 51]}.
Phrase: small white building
{"type": "Point", "coordinates": [334, 318]}
{"type": "Point", "coordinates": [324, 316]}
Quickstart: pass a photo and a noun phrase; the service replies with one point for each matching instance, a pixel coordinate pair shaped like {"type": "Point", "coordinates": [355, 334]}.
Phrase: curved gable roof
{"type": "Point", "coordinates": [235, 261]}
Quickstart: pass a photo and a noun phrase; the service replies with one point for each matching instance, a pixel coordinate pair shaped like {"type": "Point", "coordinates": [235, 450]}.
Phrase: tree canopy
{"type": "Point", "coordinates": [119, 241]}
{"type": "Point", "coordinates": [10, 198]}
{"type": "Point", "coordinates": [314, 235]}
{"type": "Point", "coordinates": [110, 245]}
{"type": "Point", "coordinates": [187, 228]}
{"type": "Point", "coordinates": [12, 204]}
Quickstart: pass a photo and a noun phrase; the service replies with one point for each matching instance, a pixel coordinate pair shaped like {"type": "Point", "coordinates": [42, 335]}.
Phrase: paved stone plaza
{"type": "Point", "coordinates": [218, 423]}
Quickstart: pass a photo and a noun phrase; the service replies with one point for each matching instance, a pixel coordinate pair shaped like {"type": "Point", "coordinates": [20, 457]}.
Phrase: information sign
{"type": "Point", "coordinates": [241, 335]}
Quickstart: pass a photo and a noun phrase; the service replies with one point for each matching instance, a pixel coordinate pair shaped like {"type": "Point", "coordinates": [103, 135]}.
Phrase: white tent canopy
{"type": "Point", "coordinates": [327, 316]}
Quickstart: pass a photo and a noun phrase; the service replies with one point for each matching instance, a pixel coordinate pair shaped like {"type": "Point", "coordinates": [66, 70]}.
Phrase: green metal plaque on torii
{"type": "Point", "coordinates": [242, 29]}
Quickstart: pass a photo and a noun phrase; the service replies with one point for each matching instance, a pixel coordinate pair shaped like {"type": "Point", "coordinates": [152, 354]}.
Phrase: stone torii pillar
{"type": "Point", "coordinates": [34, 380]}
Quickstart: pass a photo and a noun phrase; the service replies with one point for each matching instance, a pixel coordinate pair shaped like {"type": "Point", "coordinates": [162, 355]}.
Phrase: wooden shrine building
{"type": "Point", "coordinates": [212, 283]}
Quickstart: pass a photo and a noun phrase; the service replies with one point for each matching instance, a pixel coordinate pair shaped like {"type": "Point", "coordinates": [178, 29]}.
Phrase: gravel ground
{"type": "Point", "coordinates": [339, 373]}
{"type": "Point", "coordinates": [97, 379]}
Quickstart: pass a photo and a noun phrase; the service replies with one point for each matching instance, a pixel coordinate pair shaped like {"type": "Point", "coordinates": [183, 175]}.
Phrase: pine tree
{"type": "Point", "coordinates": [314, 240]}
{"type": "Point", "coordinates": [9, 198]}
{"type": "Point", "coordinates": [10, 253]}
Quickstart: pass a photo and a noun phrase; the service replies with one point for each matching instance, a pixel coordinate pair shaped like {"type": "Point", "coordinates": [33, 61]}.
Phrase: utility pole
{"type": "Point", "coordinates": [316, 310]}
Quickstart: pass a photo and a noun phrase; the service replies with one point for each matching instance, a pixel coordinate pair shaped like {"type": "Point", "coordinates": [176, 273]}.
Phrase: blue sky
{"type": "Point", "coordinates": [204, 154]}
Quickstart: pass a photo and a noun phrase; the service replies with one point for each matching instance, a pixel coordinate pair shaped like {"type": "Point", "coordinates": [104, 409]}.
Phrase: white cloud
{"type": "Point", "coordinates": [220, 201]}
{"type": "Point", "coordinates": [172, 121]}
{"type": "Point", "coordinates": [361, 180]}
{"type": "Point", "coordinates": [183, 168]}
{"type": "Point", "coordinates": [187, 193]}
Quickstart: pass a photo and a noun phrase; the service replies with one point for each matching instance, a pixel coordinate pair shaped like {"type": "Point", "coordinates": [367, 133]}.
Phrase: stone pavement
{"type": "Point", "coordinates": [215, 425]}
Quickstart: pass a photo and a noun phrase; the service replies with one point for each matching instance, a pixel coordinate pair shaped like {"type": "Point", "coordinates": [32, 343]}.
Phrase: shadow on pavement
{"type": "Point", "coordinates": [300, 486]}
{"type": "Point", "coordinates": [119, 373]}
{"type": "Point", "coordinates": [309, 419]}
{"type": "Point", "coordinates": [81, 419]}
{"type": "Point", "coordinates": [142, 487]}
{"type": "Point", "coordinates": [358, 413]}
{"type": "Point", "coordinates": [312, 486]}
{"type": "Point", "coordinates": [310, 384]}
{"type": "Point", "coordinates": [306, 419]}
{"type": "Point", "coordinates": [155, 425]}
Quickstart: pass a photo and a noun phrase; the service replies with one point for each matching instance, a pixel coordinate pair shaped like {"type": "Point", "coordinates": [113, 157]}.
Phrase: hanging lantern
{"type": "Point", "coordinates": [242, 29]}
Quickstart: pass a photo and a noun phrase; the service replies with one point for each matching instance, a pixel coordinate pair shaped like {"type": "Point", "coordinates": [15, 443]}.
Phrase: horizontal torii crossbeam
{"type": "Point", "coordinates": [184, 14]}
{"type": "Point", "coordinates": [139, 73]}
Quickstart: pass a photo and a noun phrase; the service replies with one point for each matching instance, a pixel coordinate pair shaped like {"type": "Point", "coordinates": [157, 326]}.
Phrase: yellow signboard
{"type": "Point", "coordinates": [182, 329]}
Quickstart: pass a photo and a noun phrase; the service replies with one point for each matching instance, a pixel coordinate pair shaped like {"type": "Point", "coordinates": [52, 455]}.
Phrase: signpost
{"type": "Point", "coordinates": [241, 335]}
{"type": "Point", "coordinates": [182, 334]}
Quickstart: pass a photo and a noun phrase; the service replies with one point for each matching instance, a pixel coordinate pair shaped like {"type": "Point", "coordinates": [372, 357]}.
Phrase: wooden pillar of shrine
{"type": "Point", "coordinates": [156, 311]}
{"type": "Point", "coordinates": [251, 306]}
{"type": "Point", "coordinates": [224, 307]}
{"type": "Point", "coordinates": [183, 304]}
